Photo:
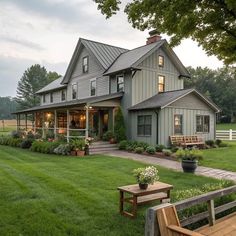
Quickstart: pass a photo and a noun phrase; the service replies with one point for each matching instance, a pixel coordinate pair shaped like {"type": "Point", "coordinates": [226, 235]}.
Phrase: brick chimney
{"type": "Point", "coordinates": [154, 37]}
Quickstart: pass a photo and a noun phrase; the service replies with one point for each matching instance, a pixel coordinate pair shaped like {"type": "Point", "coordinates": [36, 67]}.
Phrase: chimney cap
{"type": "Point", "coordinates": [154, 32]}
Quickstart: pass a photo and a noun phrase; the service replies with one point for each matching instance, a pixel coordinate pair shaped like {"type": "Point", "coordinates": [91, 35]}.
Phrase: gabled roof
{"type": "Point", "coordinates": [104, 54]}
{"type": "Point", "coordinates": [72, 103]}
{"type": "Point", "coordinates": [131, 59]}
{"type": "Point", "coordinates": [162, 100]}
{"type": "Point", "coordinates": [56, 84]}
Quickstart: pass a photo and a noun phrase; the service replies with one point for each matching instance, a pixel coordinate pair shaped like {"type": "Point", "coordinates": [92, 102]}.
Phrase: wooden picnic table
{"type": "Point", "coordinates": [137, 196]}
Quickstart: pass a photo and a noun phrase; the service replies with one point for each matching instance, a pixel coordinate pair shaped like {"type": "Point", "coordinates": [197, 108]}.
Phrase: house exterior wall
{"type": "Point", "coordinates": [145, 81]}
{"type": "Point", "coordinates": [152, 139]}
{"type": "Point", "coordinates": [56, 97]}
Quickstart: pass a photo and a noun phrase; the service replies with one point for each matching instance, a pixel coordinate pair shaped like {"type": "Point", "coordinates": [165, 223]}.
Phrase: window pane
{"type": "Point", "coordinates": [161, 88]}
{"type": "Point", "coordinates": [120, 87]}
{"type": "Point", "coordinates": [140, 129]}
{"type": "Point", "coordinates": [120, 84]}
{"type": "Point", "coordinates": [148, 120]}
{"type": "Point", "coordinates": [120, 79]}
{"type": "Point", "coordinates": [178, 124]}
{"type": "Point", "coordinates": [74, 91]}
{"type": "Point", "coordinates": [140, 120]}
{"type": "Point", "coordinates": [161, 79]}
{"type": "Point", "coordinates": [206, 127]}
{"type": "Point", "coordinates": [161, 61]}
{"type": "Point", "coordinates": [85, 64]}
{"type": "Point", "coordinates": [93, 87]}
{"type": "Point", "coordinates": [161, 83]}
{"type": "Point", "coordinates": [199, 123]}
{"type": "Point", "coordinates": [148, 129]}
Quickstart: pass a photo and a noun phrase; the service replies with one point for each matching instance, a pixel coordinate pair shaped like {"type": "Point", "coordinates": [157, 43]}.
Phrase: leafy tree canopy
{"type": "Point", "coordinates": [212, 23]}
{"type": "Point", "coordinates": [33, 79]}
{"type": "Point", "coordinates": [7, 107]}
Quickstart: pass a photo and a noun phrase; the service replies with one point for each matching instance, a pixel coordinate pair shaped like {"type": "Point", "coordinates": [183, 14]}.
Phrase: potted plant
{"type": "Point", "coordinates": [78, 147]}
{"type": "Point", "coordinates": [189, 159]}
{"type": "Point", "coordinates": [146, 176]}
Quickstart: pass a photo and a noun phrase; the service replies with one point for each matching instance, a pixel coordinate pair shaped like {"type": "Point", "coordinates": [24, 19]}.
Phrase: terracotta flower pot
{"type": "Point", "coordinates": [73, 153]}
{"type": "Point", "coordinates": [80, 153]}
{"type": "Point", "coordinates": [112, 141]}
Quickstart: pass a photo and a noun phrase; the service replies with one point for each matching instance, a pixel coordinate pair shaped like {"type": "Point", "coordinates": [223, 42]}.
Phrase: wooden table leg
{"type": "Point", "coordinates": [121, 201]}
{"type": "Point", "coordinates": [134, 206]}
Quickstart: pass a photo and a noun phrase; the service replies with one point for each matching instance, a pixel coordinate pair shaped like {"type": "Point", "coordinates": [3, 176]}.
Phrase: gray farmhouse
{"type": "Point", "coordinates": [146, 82]}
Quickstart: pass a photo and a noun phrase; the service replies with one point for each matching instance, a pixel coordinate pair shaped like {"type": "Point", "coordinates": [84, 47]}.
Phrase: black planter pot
{"type": "Point", "coordinates": [189, 166]}
{"type": "Point", "coordinates": [143, 186]}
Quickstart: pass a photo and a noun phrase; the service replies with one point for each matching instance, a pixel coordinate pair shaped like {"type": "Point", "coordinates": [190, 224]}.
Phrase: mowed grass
{"type": "Point", "coordinates": [226, 126]}
{"type": "Point", "coordinates": [52, 195]}
{"type": "Point", "coordinates": [221, 158]}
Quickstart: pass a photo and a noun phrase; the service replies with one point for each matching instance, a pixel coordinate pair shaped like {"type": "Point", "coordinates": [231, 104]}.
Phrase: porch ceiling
{"type": "Point", "coordinates": [105, 100]}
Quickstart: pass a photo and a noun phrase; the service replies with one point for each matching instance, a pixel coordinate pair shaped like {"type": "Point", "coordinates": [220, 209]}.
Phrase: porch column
{"type": "Point", "coordinates": [43, 126]}
{"type": "Point", "coordinates": [87, 121]}
{"type": "Point", "coordinates": [68, 125]}
{"type": "Point", "coordinates": [26, 122]}
{"type": "Point", "coordinates": [55, 124]}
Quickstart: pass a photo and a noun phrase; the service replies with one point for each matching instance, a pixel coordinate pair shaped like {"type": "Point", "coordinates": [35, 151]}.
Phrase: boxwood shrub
{"type": "Point", "coordinates": [151, 150]}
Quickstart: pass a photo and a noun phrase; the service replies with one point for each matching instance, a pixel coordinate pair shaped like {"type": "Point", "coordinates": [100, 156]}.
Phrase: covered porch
{"type": "Point", "coordinates": [81, 119]}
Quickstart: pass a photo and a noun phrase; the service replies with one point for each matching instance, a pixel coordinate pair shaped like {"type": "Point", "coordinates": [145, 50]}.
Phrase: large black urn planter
{"type": "Point", "coordinates": [189, 166]}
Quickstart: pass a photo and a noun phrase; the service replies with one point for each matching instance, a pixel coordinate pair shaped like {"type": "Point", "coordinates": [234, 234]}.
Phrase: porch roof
{"type": "Point", "coordinates": [162, 100]}
{"type": "Point", "coordinates": [72, 103]}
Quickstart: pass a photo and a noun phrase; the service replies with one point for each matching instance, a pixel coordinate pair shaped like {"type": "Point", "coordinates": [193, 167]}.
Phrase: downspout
{"type": "Point", "coordinates": [157, 117]}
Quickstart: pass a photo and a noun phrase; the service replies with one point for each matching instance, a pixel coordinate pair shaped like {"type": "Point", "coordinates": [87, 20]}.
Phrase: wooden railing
{"type": "Point", "coordinates": [151, 226]}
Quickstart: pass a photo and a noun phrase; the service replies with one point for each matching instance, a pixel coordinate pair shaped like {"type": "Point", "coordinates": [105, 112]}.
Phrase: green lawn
{"type": "Point", "coordinates": [52, 195]}
{"type": "Point", "coordinates": [221, 158]}
{"type": "Point", "coordinates": [226, 126]}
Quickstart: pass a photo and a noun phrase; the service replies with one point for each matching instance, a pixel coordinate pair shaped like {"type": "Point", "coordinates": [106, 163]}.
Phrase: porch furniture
{"type": "Point", "coordinates": [186, 140]}
{"type": "Point", "coordinates": [157, 191]}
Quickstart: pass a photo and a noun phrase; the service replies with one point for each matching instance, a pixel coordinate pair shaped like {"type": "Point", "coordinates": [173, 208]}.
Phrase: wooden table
{"type": "Point", "coordinates": [157, 191]}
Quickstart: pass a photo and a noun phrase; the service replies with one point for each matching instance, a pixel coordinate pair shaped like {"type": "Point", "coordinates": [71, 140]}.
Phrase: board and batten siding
{"type": "Point", "coordinates": [166, 123]}
{"type": "Point", "coordinates": [82, 80]}
{"type": "Point", "coordinates": [145, 81]}
{"type": "Point", "coordinates": [152, 139]}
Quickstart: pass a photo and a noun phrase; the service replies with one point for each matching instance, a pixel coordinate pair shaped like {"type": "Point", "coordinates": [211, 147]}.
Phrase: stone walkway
{"type": "Point", "coordinates": [201, 170]}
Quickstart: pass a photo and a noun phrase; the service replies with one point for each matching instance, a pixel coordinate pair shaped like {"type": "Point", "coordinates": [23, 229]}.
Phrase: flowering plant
{"type": "Point", "coordinates": [146, 175]}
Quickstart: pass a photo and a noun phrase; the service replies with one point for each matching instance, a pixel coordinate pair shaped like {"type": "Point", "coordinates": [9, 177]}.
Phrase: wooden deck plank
{"type": "Point", "coordinates": [223, 227]}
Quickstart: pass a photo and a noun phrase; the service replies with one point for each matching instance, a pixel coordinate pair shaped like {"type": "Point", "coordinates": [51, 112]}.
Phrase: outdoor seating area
{"type": "Point", "coordinates": [186, 140]}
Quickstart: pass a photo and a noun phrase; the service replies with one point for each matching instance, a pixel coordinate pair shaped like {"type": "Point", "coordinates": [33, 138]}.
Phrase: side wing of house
{"type": "Point", "coordinates": [187, 116]}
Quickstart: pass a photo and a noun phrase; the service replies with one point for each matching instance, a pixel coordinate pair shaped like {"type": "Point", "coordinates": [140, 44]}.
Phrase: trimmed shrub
{"type": "Point", "coordinates": [107, 136]}
{"type": "Point", "coordinates": [218, 142]}
{"type": "Point", "coordinates": [44, 146]}
{"type": "Point", "coordinates": [151, 150]}
{"type": "Point", "coordinates": [143, 145]}
{"type": "Point", "coordinates": [16, 134]}
{"type": "Point", "coordinates": [26, 143]}
{"type": "Point", "coordinates": [119, 128]}
{"type": "Point", "coordinates": [160, 147]}
{"type": "Point", "coordinates": [63, 149]}
{"type": "Point", "coordinates": [174, 149]}
{"type": "Point", "coordinates": [129, 148]}
{"type": "Point", "coordinates": [139, 150]}
{"type": "Point", "coordinates": [210, 143]}
{"type": "Point", "coordinates": [123, 145]}
{"type": "Point", "coordinates": [167, 152]}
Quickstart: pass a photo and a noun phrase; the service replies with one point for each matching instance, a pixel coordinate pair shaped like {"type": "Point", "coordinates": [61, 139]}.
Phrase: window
{"type": "Point", "coordinates": [203, 124]}
{"type": "Point", "coordinates": [51, 97]}
{"type": "Point", "coordinates": [74, 91]}
{"type": "Point", "coordinates": [85, 64]}
{"type": "Point", "coordinates": [178, 124]}
{"type": "Point", "coordinates": [44, 98]}
{"type": "Point", "coordinates": [92, 87]}
{"type": "Point", "coordinates": [120, 83]}
{"type": "Point", "coordinates": [161, 83]}
{"type": "Point", "coordinates": [145, 125]}
{"type": "Point", "coordinates": [160, 60]}
{"type": "Point", "coordinates": [63, 95]}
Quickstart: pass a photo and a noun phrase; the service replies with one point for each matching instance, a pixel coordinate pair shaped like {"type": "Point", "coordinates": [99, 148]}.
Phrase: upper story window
{"type": "Point", "coordinates": [160, 60]}
{"type": "Point", "coordinates": [85, 64]}
{"type": "Point", "coordinates": [178, 124]}
{"type": "Point", "coordinates": [51, 97]}
{"type": "Point", "coordinates": [44, 98]}
{"type": "Point", "coordinates": [93, 87]}
{"type": "Point", "coordinates": [202, 124]}
{"type": "Point", "coordinates": [144, 125]}
{"type": "Point", "coordinates": [74, 91]}
{"type": "Point", "coordinates": [120, 83]}
{"type": "Point", "coordinates": [161, 83]}
{"type": "Point", "coordinates": [63, 95]}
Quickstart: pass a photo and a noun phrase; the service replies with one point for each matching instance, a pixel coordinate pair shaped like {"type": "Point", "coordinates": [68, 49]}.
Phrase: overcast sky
{"type": "Point", "coordinates": [46, 32]}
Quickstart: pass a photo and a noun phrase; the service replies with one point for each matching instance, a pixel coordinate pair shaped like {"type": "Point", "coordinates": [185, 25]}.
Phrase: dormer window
{"type": "Point", "coordinates": [160, 61]}
{"type": "Point", "coordinates": [63, 95]}
{"type": "Point", "coordinates": [51, 97]}
{"type": "Point", "coordinates": [161, 83]}
{"type": "Point", "coordinates": [44, 98]}
{"type": "Point", "coordinates": [74, 91]}
{"type": "Point", "coordinates": [120, 83]}
{"type": "Point", "coordinates": [93, 87]}
{"type": "Point", "coordinates": [85, 64]}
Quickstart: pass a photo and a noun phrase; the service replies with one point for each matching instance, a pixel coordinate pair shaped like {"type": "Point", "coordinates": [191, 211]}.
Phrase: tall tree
{"type": "Point", "coordinates": [212, 23]}
{"type": "Point", "coordinates": [33, 79]}
{"type": "Point", "coordinates": [7, 107]}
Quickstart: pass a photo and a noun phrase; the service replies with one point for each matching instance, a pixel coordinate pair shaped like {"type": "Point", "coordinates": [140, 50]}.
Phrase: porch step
{"type": "Point", "coordinates": [102, 147]}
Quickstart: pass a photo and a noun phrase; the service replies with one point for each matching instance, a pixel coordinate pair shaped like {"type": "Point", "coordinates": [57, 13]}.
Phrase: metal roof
{"type": "Point", "coordinates": [89, 100]}
{"type": "Point", "coordinates": [56, 84]}
{"type": "Point", "coordinates": [161, 100]}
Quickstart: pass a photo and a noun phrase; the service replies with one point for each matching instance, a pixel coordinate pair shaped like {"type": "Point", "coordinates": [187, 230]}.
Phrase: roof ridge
{"type": "Point", "coordinates": [105, 44]}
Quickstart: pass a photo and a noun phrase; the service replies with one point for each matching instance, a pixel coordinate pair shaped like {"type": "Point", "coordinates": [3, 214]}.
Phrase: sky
{"type": "Point", "coordinates": [47, 31]}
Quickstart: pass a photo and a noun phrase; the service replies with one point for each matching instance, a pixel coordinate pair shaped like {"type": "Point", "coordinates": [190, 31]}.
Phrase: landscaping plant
{"type": "Point", "coordinates": [119, 128]}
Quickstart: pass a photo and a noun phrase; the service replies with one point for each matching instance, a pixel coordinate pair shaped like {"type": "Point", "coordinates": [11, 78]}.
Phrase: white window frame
{"type": "Point", "coordinates": [72, 91]}
{"type": "Point", "coordinates": [163, 60]}
{"type": "Point", "coordinates": [90, 87]}
{"type": "Point", "coordinates": [83, 66]}
{"type": "Point", "coordinates": [164, 83]}
{"type": "Point", "coordinates": [65, 94]}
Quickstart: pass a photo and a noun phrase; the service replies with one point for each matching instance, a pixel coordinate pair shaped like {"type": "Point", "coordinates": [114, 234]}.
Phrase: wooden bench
{"type": "Point", "coordinates": [186, 140]}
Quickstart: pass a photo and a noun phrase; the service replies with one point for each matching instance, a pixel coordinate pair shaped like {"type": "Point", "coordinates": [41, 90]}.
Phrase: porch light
{"type": "Point", "coordinates": [49, 115]}
{"type": "Point", "coordinates": [90, 107]}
